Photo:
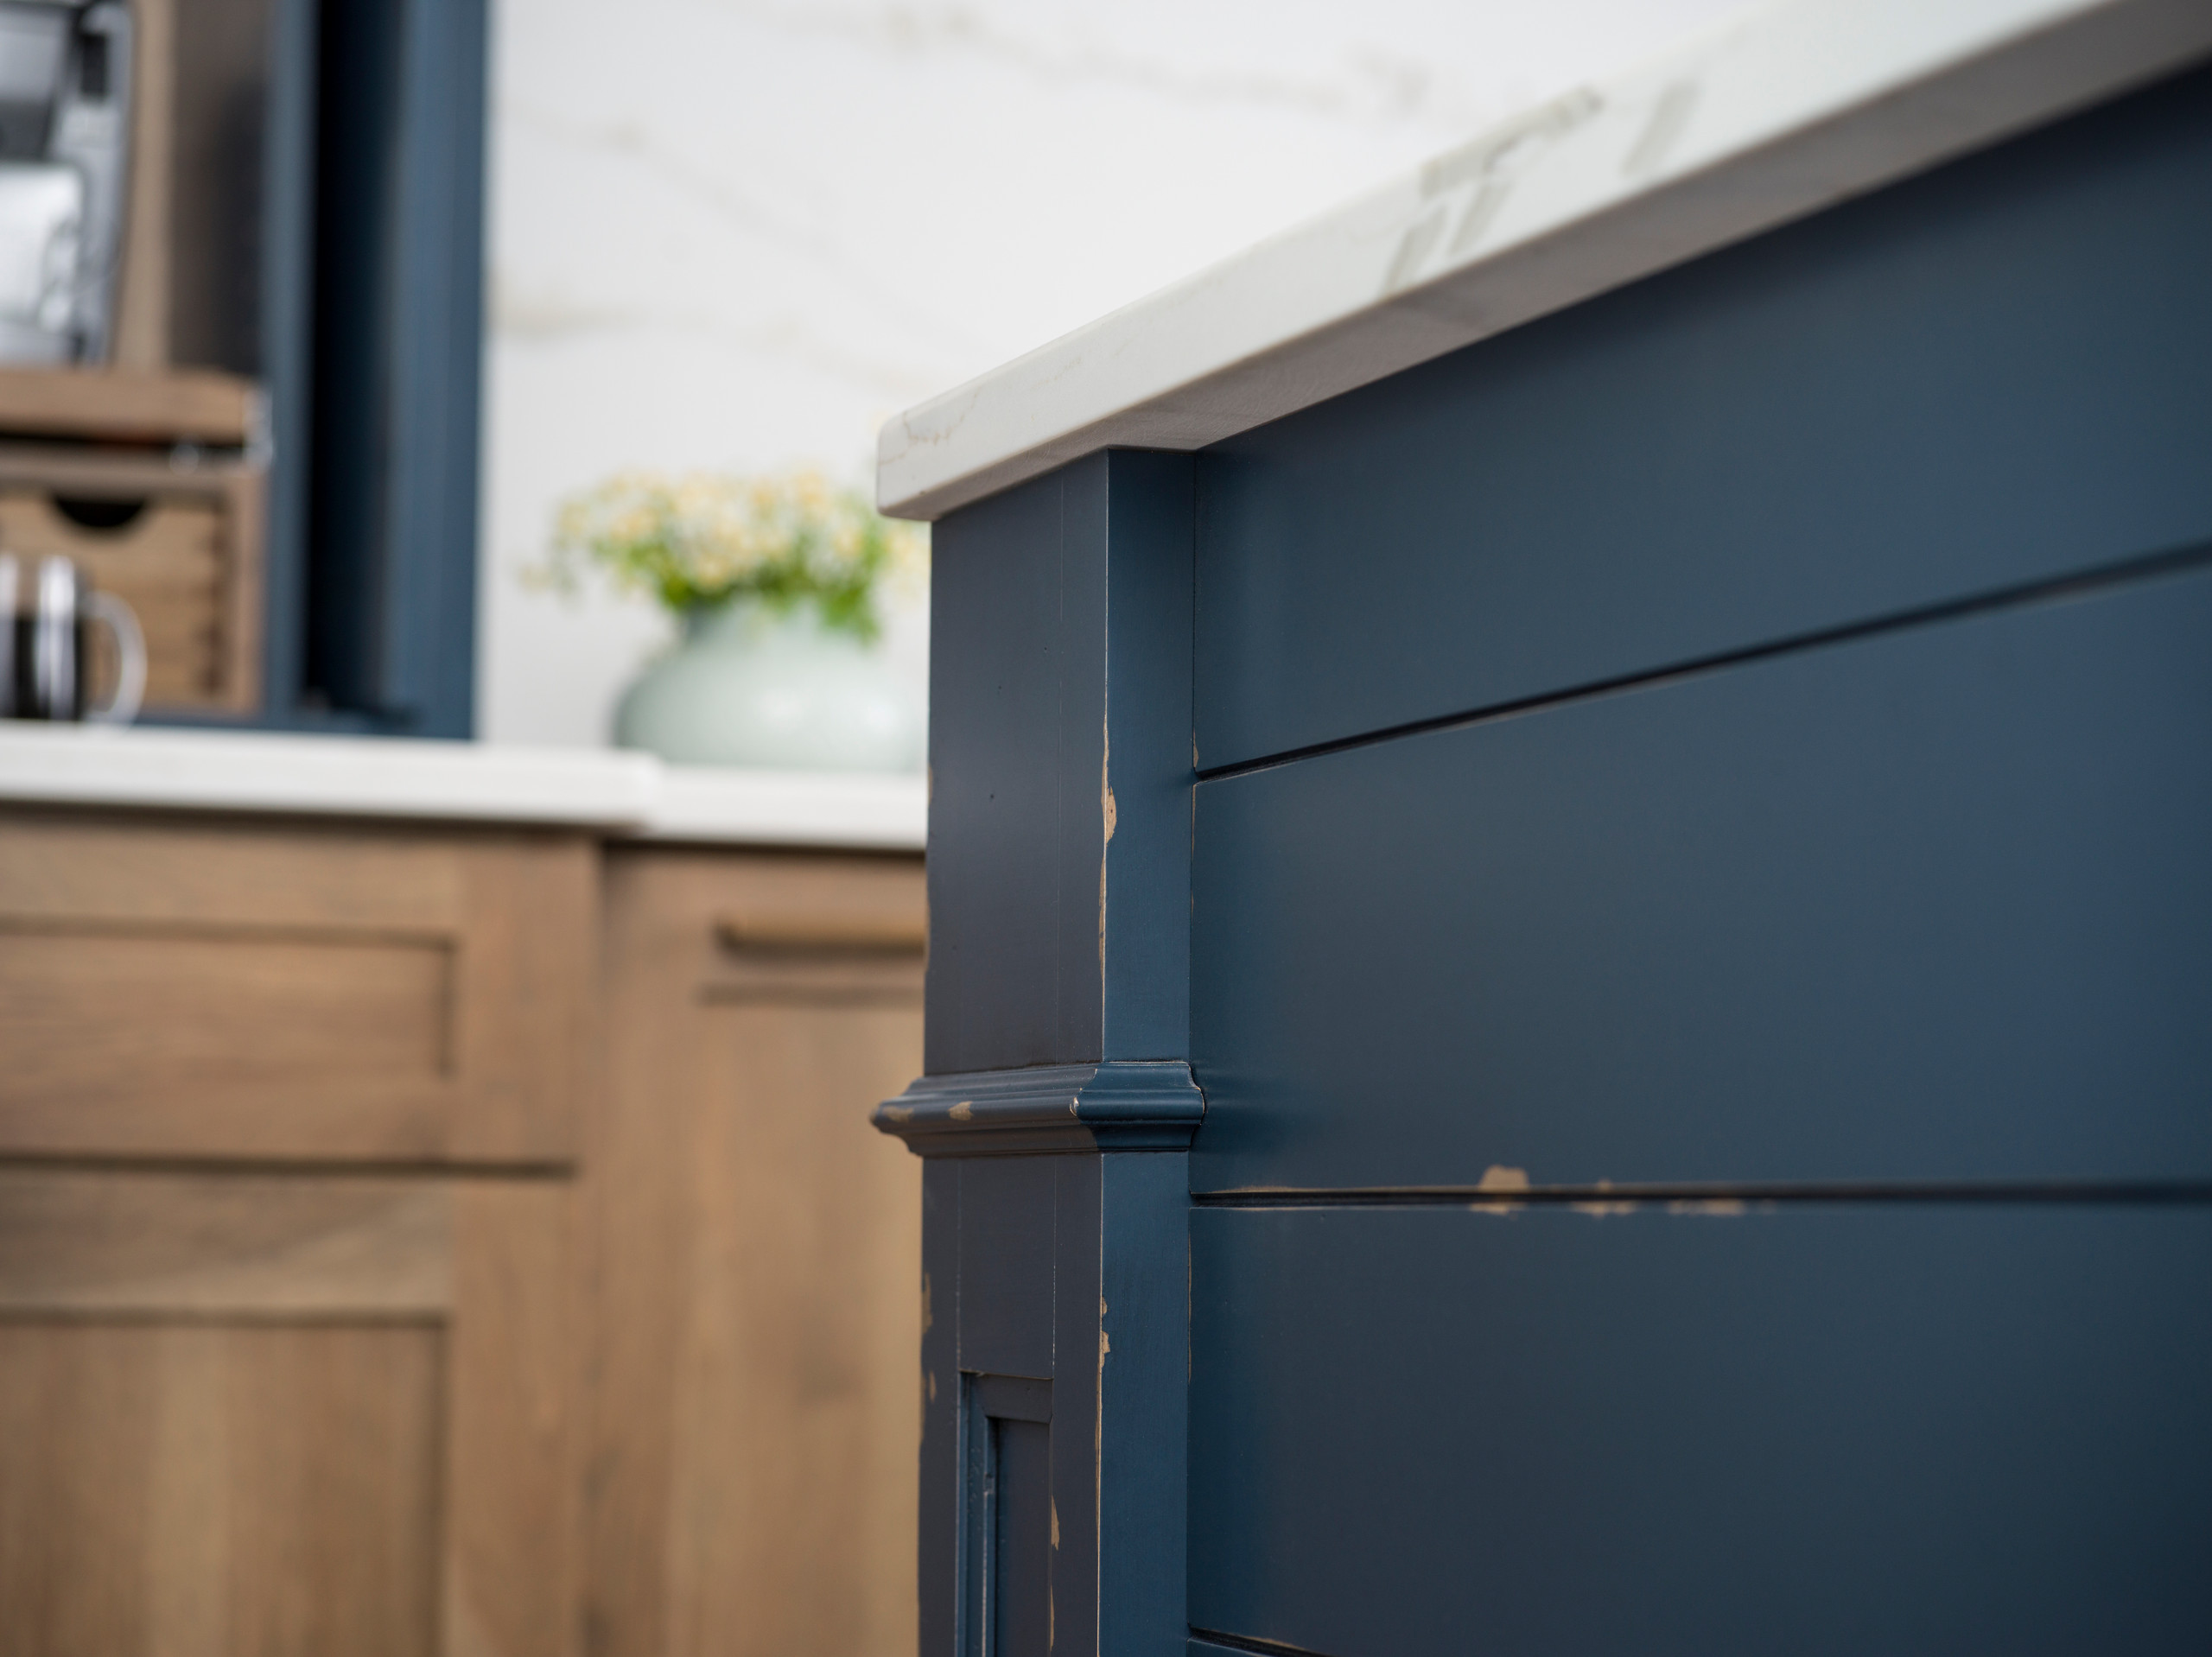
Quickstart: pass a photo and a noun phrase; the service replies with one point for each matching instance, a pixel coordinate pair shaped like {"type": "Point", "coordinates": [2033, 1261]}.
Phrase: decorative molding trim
{"type": "Point", "coordinates": [1117, 1105]}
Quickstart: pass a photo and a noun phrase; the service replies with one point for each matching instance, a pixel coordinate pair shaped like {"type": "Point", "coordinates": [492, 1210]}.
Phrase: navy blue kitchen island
{"type": "Point", "coordinates": [1570, 995]}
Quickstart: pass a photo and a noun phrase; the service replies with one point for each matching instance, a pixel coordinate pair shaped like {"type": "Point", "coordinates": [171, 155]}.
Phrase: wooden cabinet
{"type": "Point", "coordinates": [425, 1241]}
{"type": "Point", "coordinates": [260, 1413]}
{"type": "Point", "coordinates": [182, 549]}
{"type": "Point", "coordinates": [251, 990]}
{"type": "Point", "coordinates": [756, 1260]}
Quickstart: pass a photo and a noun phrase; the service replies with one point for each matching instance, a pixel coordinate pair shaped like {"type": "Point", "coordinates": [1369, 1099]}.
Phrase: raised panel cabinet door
{"type": "Point", "coordinates": [210, 988]}
{"type": "Point", "coordinates": [284, 1416]}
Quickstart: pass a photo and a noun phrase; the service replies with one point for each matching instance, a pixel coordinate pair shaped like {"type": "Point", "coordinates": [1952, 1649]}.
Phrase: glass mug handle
{"type": "Point", "coordinates": [130, 652]}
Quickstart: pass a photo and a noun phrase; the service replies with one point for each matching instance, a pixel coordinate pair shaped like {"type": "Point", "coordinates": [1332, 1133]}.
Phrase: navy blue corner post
{"type": "Point", "coordinates": [1059, 1106]}
{"type": "Point", "coordinates": [373, 282]}
{"type": "Point", "coordinates": [1677, 844]}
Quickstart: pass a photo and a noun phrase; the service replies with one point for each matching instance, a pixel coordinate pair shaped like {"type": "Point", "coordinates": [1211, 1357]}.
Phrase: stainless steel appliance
{"type": "Point", "coordinates": [65, 135]}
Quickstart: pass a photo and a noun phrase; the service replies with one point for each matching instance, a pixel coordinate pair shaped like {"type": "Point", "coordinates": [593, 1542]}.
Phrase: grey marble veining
{"type": "Point", "coordinates": [1747, 126]}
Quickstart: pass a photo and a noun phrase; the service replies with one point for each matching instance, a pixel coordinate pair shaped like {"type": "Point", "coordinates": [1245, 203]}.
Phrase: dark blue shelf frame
{"type": "Point", "coordinates": [373, 281]}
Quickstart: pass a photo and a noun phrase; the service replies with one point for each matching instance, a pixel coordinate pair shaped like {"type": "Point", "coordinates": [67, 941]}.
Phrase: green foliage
{"type": "Point", "coordinates": [699, 542]}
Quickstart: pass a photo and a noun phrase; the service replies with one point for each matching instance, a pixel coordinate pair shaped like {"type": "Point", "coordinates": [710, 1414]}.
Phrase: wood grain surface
{"type": "Point", "coordinates": [202, 405]}
{"type": "Point", "coordinates": [754, 1405]}
{"type": "Point", "coordinates": [507, 1523]}
{"type": "Point", "coordinates": [141, 338]}
{"type": "Point", "coordinates": [190, 565]}
{"type": "Point", "coordinates": [219, 1491]}
{"type": "Point", "coordinates": [288, 1415]}
{"type": "Point", "coordinates": [658, 1397]}
{"type": "Point", "coordinates": [96, 1244]}
{"type": "Point", "coordinates": [204, 988]}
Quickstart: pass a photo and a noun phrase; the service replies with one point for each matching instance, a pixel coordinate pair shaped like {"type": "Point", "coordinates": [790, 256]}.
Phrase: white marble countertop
{"type": "Point", "coordinates": [616, 794]}
{"type": "Point", "coordinates": [1785, 110]}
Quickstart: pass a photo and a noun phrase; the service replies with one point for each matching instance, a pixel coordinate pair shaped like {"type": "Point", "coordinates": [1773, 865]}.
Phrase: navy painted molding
{"type": "Point", "coordinates": [1055, 1296]}
{"type": "Point", "coordinates": [1119, 1105]}
{"type": "Point", "coordinates": [1058, 1104]}
{"type": "Point", "coordinates": [1205, 1641]}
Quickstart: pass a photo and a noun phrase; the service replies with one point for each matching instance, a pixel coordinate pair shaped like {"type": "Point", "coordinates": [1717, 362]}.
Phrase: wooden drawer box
{"type": "Point", "coordinates": [183, 549]}
{"type": "Point", "coordinates": [175, 988]}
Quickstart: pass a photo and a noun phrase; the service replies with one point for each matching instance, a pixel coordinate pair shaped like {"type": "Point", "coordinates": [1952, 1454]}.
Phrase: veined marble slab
{"type": "Point", "coordinates": [621, 794]}
{"type": "Point", "coordinates": [1785, 110]}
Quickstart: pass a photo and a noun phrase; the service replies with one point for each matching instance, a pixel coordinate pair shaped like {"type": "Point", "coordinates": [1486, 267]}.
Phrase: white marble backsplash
{"type": "Point", "coordinates": [731, 234]}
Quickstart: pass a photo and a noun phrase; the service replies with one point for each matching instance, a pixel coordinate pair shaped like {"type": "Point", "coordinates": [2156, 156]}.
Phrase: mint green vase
{"type": "Point", "coordinates": [748, 685]}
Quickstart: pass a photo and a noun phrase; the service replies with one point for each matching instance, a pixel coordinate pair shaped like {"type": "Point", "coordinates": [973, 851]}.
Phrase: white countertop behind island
{"type": "Point", "coordinates": [622, 794]}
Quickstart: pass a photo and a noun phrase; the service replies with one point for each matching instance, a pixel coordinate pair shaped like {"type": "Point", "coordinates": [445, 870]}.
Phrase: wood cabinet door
{"type": "Point", "coordinates": [249, 1416]}
{"type": "Point", "coordinates": [755, 1407]}
{"type": "Point", "coordinates": [208, 988]}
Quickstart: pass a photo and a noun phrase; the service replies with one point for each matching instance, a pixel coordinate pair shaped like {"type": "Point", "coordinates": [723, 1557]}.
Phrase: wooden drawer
{"type": "Point", "coordinates": [183, 549]}
{"type": "Point", "coordinates": [214, 989]}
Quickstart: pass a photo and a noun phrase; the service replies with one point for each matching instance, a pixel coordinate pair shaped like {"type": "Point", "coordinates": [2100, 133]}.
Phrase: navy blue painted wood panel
{"type": "Point", "coordinates": [1934, 904]}
{"type": "Point", "coordinates": [1145, 898]}
{"type": "Point", "coordinates": [942, 1515]}
{"type": "Point", "coordinates": [1994, 373]}
{"type": "Point", "coordinates": [1079, 1222]}
{"type": "Point", "coordinates": [1007, 1220]}
{"type": "Point", "coordinates": [1016, 743]}
{"type": "Point", "coordinates": [1057, 1266]}
{"type": "Point", "coordinates": [1022, 1614]}
{"type": "Point", "coordinates": [1060, 769]}
{"type": "Point", "coordinates": [1143, 1369]}
{"type": "Point", "coordinates": [1908, 1428]}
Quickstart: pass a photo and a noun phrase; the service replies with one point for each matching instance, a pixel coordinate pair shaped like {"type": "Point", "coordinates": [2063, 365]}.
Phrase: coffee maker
{"type": "Point", "coordinates": [64, 136]}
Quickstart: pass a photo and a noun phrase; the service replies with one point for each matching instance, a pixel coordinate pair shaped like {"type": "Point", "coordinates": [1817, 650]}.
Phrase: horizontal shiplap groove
{"type": "Point", "coordinates": [2076, 584]}
{"type": "Point", "coordinates": [1712, 1198]}
{"type": "Point", "coordinates": [1204, 1639]}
